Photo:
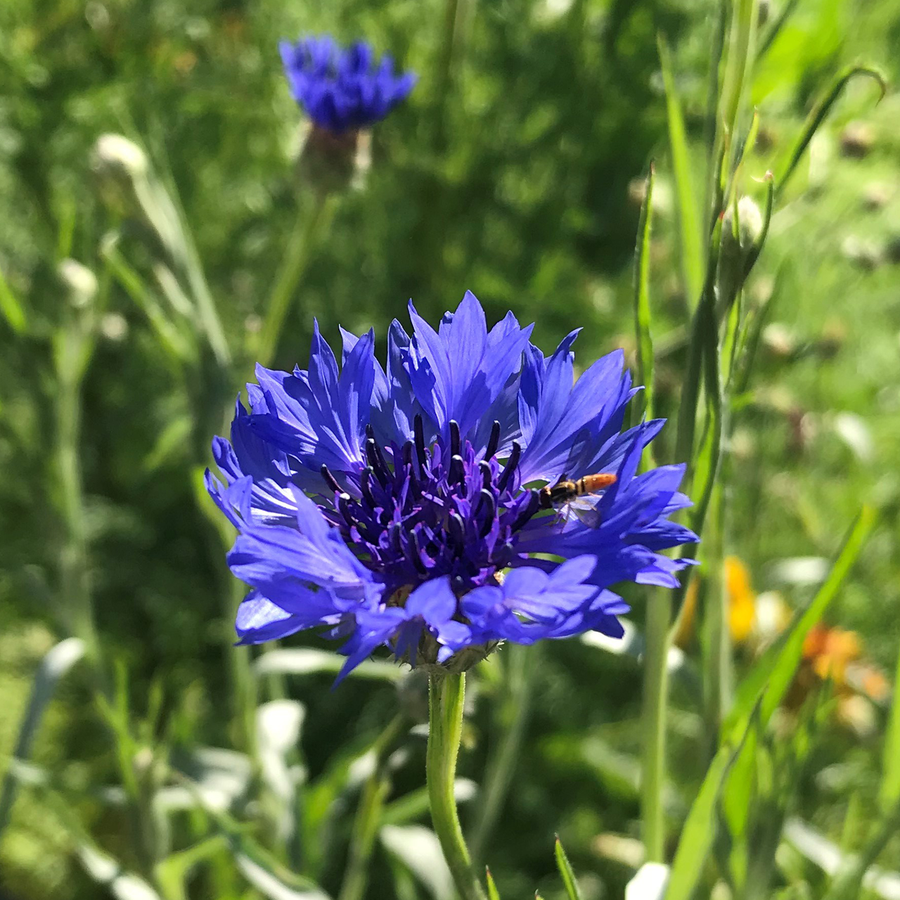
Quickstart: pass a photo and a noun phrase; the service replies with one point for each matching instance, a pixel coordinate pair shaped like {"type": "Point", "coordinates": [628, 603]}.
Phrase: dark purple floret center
{"type": "Point", "coordinates": [416, 512]}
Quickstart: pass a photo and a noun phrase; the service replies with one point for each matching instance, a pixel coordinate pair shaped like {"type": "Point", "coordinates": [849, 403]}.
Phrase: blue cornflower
{"type": "Point", "coordinates": [342, 89]}
{"type": "Point", "coordinates": [410, 506]}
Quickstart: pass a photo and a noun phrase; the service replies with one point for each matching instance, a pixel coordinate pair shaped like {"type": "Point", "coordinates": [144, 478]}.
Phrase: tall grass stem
{"type": "Point", "coordinates": [310, 223]}
{"type": "Point", "coordinates": [656, 693]}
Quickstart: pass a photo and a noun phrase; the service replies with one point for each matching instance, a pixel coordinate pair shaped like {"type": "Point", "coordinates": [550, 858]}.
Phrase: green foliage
{"type": "Point", "coordinates": [173, 765]}
{"type": "Point", "coordinates": [566, 873]}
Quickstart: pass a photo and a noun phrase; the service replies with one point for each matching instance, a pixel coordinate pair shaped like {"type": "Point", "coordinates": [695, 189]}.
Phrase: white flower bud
{"type": "Point", "coordinates": [118, 165]}
{"type": "Point", "coordinates": [79, 282]}
{"type": "Point", "coordinates": [649, 883]}
{"type": "Point", "coordinates": [750, 223]}
{"type": "Point", "coordinates": [114, 327]}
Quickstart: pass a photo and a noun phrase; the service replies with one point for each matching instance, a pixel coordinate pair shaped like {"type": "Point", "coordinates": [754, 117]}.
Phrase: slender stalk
{"type": "Point", "coordinates": [72, 353]}
{"type": "Point", "coordinates": [656, 693]}
{"type": "Point", "coordinates": [716, 638]}
{"type": "Point", "coordinates": [446, 694]}
{"type": "Point", "coordinates": [502, 764]}
{"type": "Point", "coordinates": [296, 259]}
{"type": "Point", "coordinates": [368, 814]}
{"type": "Point", "coordinates": [444, 64]}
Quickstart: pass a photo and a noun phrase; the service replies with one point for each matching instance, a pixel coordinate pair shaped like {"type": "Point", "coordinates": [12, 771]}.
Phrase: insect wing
{"type": "Point", "coordinates": [584, 509]}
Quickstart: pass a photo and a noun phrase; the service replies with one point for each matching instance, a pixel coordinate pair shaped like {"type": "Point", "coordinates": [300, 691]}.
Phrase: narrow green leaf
{"type": "Point", "coordinates": [739, 62]}
{"type": "Point", "coordinates": [493, 893]}
{"type": "Point", "coordinates": [820, 111]}
{"type": "Point", "coordinates": [775, 28]}
{"type": "Point", "coordinates": [690, 232]}
{"type": "Point", "coordinates": [58, 661]}
{"type": "Point", "coordinates": [792, 651]}
{"type": "Point", "coordinates": [642, 315]}
{"type": "Point", "coordinates": [767, 219]}
{"type": "Point", "coordinates": [177, 344]}
{"type": "Point", "coordinates": [172, 873]}
{"type": "Point", "coordinates": [772, 674]}
{"type": "Point", "coordinates": [11, 308]}
{"type": "Point", "coordinates": [565, 871]}
{"type": "Point", "coordinates": [889, 794]}
{"type": "Point", "coordinates": [699, 830]}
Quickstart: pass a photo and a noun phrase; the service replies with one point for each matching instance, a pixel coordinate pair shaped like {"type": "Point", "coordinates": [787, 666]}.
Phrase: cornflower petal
{"type": "Point", "coordinates": [402, 506]}
{"type": "Point", "coordinates": [342, 89]}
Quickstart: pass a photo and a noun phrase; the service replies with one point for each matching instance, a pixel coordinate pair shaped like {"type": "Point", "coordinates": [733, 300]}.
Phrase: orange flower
{"type": "Point", "coordinates": [744, 620]}
{"type": "Point", "coordinates": [741, 599]}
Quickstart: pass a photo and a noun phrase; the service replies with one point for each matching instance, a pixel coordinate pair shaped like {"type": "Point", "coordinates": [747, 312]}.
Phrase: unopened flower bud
{"type": "Point", "coordinates": [114, 327]}
{"type": "Point", "coordinates": [78, 281]}
{"type": "Point", "coordinates": [750, 224]}
{"type": "Point", "coordinates": [344, 92]}
{"type": "Point", "coordinates": [118, 165]}
{"type": "Point", "coordinates": [333, 161]}
{"type": "Point", "coordinates": [738, 250]}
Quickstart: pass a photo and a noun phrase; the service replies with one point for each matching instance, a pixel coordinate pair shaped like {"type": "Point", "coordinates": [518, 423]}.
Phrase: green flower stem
{"type": "Point", "coordinates": [446, 694]}
{"type": "Point", "coordinates": [656, 692]}
{"type": "Point", "coordinates": [368, 813]}
{"type": "Point", "coordinates": [296, 259]}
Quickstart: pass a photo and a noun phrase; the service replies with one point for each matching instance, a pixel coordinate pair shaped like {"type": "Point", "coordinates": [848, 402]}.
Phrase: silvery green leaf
{"type": "Point", "coordinates": [56, 663]}
{"type": "Point", "coordinates": [107, 871]}
{"type": "Point", "coordinates": [218, 777]}
{"type": "Point", "coordinates": [306, 661]}
{"type": "Point", "coordinates": [278, 726]}
{"type": "Point", "coordinates": [649, 883]}
{"type": "Point", "coordinates": [812, 844]}
{"type": "Point", "coordinates": [270, 885]}
{"type": "Point", "coordinates": [420, 851]}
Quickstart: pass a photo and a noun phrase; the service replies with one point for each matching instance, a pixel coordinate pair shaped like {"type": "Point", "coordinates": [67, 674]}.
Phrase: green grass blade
{"type": "Point", "coordinates": [565, 871]}
{"type": "Point", "coordinates": [172, 873]}
{"type": "Point", "coordinates": [642, 315]}
{"type": "Point", "coordinates": [792, 651]}
{"type": "Point", "coordinates": [692, 258]}
{"type": "Point", "coordinates": [11, 308]}
{"type": "Point", "coordinates": [889, 793]}
{"type": "Point", "coordinates": [775, 28]}
{"type": "Point", "coordinates": [739, 62]}
{"type": "Point", "coordinates": [493, 893]}
{"type": "Point", "coordinates": [820, 111]}
{"type": "Point", "coordinates": [58, 661]}
{"type": "Point", "coordinates": [699, 830]}
{"type": "Point", "coordinates": [772, 674]}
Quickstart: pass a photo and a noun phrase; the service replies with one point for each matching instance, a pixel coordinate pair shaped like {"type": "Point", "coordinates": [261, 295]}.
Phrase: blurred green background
{"type": "Point", "coordinates": [518, 177]}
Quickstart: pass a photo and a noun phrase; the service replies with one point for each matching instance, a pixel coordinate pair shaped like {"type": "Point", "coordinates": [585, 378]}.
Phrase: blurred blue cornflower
{"type": "Point", "coordinates": [342, 89]}
{"type": "Point", "coordinates": [411, 506]}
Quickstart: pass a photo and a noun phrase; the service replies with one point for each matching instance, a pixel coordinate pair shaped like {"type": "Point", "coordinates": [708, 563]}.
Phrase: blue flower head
{"type": "Point", "coordinates": [435, 506]}
{"type": "Point", "coordinates": [342, 89]}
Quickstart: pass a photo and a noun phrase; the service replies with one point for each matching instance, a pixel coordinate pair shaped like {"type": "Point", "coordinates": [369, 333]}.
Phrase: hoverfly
{"type": "Point", "coordinates": [576, 497]}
